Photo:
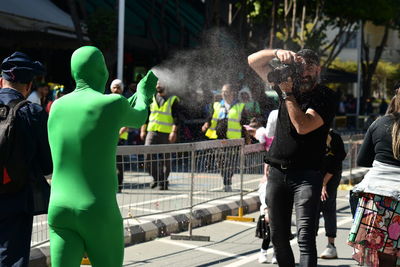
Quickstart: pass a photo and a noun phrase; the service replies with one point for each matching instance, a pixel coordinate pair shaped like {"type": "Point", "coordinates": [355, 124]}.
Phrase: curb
{"type": "Point", "coordinates": [150, 227]}
{"type": "Point", "coordinates": [160, 225]}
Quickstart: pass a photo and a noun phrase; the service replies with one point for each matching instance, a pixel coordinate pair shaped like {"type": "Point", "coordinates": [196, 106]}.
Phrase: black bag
{"type": "Point", "coordinates": [14, 170]}
{"type": "Point", "coordinates": [262, 229]}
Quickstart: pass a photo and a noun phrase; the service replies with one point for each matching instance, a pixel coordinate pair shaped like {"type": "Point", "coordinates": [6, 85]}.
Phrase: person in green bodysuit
{"type": "Point", "coordinates": [83, 134]}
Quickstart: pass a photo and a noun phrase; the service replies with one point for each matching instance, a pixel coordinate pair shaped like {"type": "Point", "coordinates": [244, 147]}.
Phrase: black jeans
{"type": "Point", "coordinates": [328, 207]}
{"type": "Point", "coordinates": [158, 165]}
{"type": "Point", "coordinates": [303, 189]}
{"type": "Point", "coordinates": [15, 239]}
{"type": "Point", "coordinates": [228, 162]}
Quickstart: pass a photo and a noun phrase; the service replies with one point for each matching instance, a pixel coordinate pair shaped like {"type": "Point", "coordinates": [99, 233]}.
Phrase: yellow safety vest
{"type": "Point", "coordinates": [234, 116]}
{"type": "Point", "coordinates": [161, 119]}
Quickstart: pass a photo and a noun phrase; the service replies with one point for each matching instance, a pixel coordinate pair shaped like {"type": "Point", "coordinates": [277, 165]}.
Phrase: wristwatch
{"type": "Point", "coordinates": [286, 94]}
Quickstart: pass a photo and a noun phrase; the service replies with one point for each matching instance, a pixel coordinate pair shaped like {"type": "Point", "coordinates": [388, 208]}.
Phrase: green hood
{"type": "Point", "coordinates": [88, 68]}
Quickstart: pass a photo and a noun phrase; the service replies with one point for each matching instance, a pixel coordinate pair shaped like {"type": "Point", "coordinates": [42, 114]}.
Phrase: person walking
{"type": "Point", "coordinates": [226, 121]}
{"type": "Point", "coordinates": [334, 156]}
{"type": "Point", "coordinates": [306, 111]}
{"type": "Point", "coordinates": [25, 159]}
{"type": "Point", "coordinates": [376, 225]}
{"type": "Point", "coordinates": [161, 128]}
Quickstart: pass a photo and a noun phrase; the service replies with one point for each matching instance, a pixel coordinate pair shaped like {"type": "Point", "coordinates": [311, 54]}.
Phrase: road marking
{"type": "Point", "coordinates": [144, 209]}
{"type": "Point", "coordinates": [199, 248]}
{"type": "Point", "coordinates": [251, 225]}
{"type": "Point", "coordinates": [155, 200]}
{"type": "Point", "coordinates": [254, 256]}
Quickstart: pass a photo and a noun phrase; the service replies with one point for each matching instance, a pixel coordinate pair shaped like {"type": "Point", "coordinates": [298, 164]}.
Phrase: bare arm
{"type": "Point", "coordinates": [328, 176]}
{"type": "Point", "coordinates": [259, 60]}
{"type": "Point", "coordinates": [173, 135]}
{"type": "Point", "coordinates": [143, 132]}
{"type": "Point", "coordinates": [303, 122]}
{"type": "Point", "coordinates": [324, 193]}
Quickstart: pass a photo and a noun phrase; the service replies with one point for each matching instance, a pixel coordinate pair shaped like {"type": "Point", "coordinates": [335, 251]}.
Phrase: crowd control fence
{"type": "Point", "coordinates": [193, 173]}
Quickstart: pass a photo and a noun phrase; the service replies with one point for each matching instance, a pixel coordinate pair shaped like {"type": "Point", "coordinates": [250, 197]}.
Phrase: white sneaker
{"type": "Point", "coordinates": [263, 257]}
{"type": "Point", "coordinates": [273, 260]}
{"type": "Point", "coordinates": [329, 253]}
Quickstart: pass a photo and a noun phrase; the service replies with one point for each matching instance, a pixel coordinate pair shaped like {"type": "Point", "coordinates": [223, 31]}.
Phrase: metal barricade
{"type": "Point", "coordinates": [352, 146]}
{"type": "Point", "coordinates": [195, 173]}
{"type": "Point", "coordinates": [40, 230]}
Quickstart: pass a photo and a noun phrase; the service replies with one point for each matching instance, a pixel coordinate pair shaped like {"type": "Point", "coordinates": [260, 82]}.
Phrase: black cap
{"type": "Point", "coordinates": [309, 56]}
{"type": "Point", "coordinates": [20, 68]}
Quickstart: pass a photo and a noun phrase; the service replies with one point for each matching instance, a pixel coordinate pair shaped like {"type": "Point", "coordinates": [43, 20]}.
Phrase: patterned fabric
{"type": "Point", "coordinates": [376, 228]}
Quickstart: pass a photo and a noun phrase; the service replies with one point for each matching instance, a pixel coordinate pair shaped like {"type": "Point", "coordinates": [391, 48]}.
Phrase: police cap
{"type": "Point", "coordinates": [19, 67]}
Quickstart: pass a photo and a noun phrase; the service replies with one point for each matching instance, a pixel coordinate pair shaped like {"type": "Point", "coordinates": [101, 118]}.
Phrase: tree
{"type": "Point", "coordinates": [379, 12]}
{"type": "Point", "coordinates": [296, 24]}
{"type": "Point", "coordinates": [102, 31]}
{"type": "Point", "coordinates": [76, 20]}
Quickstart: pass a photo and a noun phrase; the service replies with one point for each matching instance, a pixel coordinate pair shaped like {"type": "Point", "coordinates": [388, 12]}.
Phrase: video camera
{"type": "Point", "coordinates": [282, 71]}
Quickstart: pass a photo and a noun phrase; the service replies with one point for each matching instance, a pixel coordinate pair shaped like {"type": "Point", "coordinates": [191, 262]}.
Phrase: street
{"type": "Point", "coordinates": [233, 244]}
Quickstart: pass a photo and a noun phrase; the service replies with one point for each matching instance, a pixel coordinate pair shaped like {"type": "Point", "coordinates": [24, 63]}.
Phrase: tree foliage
{"type": "Point", "coordinates": [295, 24]}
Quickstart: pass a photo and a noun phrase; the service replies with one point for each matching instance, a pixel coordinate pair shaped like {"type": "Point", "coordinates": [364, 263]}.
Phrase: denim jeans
{"type": "Point", "coordinates": [303, 189]}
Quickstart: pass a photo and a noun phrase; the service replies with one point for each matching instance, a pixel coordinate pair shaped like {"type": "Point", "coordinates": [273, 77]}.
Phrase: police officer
{"type": "Point", "coordinates": [228, 117]}
{"type": "Point", "coordinates": [162, 128]}
{"type": "Point", "coordinates": [17, 209]}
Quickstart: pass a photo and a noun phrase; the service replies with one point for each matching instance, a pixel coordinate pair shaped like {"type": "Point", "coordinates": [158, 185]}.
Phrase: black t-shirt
{"type": "Point", "coordinates": [377, 144]}
{"type": "Point", "coordinates": [335, 154]}
{"type": "Point", "coordinates": [303, 151]}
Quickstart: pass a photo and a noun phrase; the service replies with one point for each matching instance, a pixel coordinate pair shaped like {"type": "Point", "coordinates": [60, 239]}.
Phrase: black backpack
{"type": "Point", "coordinates": [14, 171]}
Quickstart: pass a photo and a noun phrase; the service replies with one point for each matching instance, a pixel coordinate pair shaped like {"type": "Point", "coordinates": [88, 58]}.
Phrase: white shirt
{"type": "Point", "coordinates": [260, 135]}
{"type": "Point", "coordinates": [271, 123]}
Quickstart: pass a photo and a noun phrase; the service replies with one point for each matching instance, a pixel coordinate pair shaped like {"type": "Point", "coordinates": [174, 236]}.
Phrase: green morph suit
{"type": "Point", "coordinates": [83, 134]}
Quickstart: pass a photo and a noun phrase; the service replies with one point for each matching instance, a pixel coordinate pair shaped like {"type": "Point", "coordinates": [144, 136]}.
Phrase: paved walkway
{"type": "Point", "coordinates": [232, 244]}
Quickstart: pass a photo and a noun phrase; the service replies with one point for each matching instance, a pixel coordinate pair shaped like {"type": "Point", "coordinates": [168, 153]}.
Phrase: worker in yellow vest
{"type": "Point", "coordinates": [161, 128]}
{"type": "Point", "coordinates": [226, 121]}
{"type": "Point", "coordinates": [117, 87]}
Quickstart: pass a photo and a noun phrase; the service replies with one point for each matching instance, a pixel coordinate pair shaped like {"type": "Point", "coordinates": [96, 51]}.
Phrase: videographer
{"type": "Point", "coordinates": [306, 111]}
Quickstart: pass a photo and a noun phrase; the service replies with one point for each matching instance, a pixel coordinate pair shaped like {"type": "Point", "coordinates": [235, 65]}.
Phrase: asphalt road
{"type": "Point", "coordinates": [233, 244]}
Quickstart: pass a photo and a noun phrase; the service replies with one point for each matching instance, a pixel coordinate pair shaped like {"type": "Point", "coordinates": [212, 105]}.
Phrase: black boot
{"type": "Point", "coordinates": [164, 185]}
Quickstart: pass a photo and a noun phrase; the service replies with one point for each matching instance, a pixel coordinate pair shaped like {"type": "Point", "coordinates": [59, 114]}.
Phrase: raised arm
{"type": "Point", "coordinates": [259, 60]}
{"type": "Point", "coordinates": [136, 112]}
{"type": "Point", "coordinates": [303, 122]}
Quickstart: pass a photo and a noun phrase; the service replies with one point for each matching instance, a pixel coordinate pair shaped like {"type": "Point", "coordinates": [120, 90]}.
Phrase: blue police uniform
{"type": "Point", "coordinates": [17, 209]}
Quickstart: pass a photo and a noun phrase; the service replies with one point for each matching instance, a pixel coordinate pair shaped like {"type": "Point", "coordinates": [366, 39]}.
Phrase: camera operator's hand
{"type": "Point", "coordinates": [287, 86]}
{"type": "Point", "coordinates": [285, 56]}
